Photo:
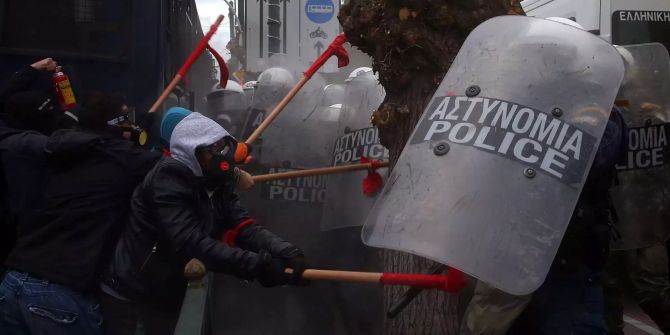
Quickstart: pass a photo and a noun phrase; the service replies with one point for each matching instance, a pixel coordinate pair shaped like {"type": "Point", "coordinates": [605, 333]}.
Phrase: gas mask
{"type": "Point", "coordinates": [221, 168]}
{"type": "Point", "coordinates": [129, 131]}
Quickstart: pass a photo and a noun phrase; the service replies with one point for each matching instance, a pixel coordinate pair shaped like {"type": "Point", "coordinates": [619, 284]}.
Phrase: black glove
{"type": "Point", "coordinates": [298, 264]}
{"type": "Point", "coordinates": [145, 120]}
{"type": "Point", "coordinates": [271, 271]}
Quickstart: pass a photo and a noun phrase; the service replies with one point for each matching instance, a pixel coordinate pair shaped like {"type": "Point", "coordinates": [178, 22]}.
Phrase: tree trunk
{"type": "Point", "coordinates": [412, 44]}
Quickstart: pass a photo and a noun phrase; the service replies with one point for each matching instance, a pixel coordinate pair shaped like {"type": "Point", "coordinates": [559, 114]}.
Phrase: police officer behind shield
{"type": "Point", "coordinates": [638, 259]}
{"type": "Point", "coordinates": [570, 300]}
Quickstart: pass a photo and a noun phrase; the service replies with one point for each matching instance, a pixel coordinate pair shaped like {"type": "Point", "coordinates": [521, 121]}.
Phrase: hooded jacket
{"type": "Point", "coordinates": [90, 178]}
{"type": "Point", "coordinates": [176, 217]}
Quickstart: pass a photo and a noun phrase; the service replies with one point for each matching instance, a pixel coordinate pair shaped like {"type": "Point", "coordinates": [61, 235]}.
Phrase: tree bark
{"type": "Point", "coordinates": [412, 44]}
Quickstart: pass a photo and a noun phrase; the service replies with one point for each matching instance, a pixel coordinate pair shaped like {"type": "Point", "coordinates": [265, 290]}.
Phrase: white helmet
{"type": "Point", "coordinates": [250, 84]}
{"type": "Point", "coordinates": [332, 94]}
{"type": "Point", "coordinates": [230, 86]}
{"type": "Point", "coordinates": [273, 84]}
{"type": "Point", "coordinates": [276, 76]}
{"type": "Point", "coordinates": [566, 21]}
{"type": "Point", "coordinates": [629, 62]}
{"type": "Point", "coordinates": [628, 58]}
{"type": "Point", "coordinates": [358, 72]}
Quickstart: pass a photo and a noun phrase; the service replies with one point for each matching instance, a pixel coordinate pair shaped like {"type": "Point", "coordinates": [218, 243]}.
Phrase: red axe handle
{"type": "Point", "coordinates": [449, 283]}
{"type": "Point", "coordinates": [187, 65]}
{"type": "Point", "coordinates": [275, 112]}
{"type": "Point", "coordinates": [200, 48]}
{"type": "Point", "coordinates": [318, 171]}
{"type": "Point", "coordinates": [334, 48]}
{"type": "Point", "coordinates": [330, 51]}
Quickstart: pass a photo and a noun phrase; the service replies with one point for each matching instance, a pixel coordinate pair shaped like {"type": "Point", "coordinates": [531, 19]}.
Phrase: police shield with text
{"type": "Point", "coordinates": [346, 205]}
{"type": "Point", "coordinates": [642, 195]}
{"type": "Point", "coordinates": [489, 179]}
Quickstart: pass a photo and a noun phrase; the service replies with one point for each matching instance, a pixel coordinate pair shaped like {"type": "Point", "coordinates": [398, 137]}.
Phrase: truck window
{"type": "Point", "coordinates": [77, 28]}
{"type": "Point", "coordinates": [635, 27]}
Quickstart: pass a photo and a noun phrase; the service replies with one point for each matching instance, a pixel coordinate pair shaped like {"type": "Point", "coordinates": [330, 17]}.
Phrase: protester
{"type": "Point", "coordinates": [24, 108]}
{"type": "Point", "coordinates": [179, 212]}
{"type": "Point", "coordinates": [56, 264]}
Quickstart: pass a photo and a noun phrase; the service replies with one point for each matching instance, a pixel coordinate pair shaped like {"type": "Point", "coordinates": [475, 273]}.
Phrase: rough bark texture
{"type": "Point", "coordinates": [412, 44]}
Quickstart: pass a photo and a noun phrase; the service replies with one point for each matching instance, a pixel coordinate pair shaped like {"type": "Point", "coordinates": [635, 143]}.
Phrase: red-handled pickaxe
{"type": "Point", "coordinates": [199, 49]}
{"type": "Point", "coordinates": [452, 282]}
{"type": "Point", "coordinates": [223, 81]}
{"type": "Point", "coordinates": [334, 49]}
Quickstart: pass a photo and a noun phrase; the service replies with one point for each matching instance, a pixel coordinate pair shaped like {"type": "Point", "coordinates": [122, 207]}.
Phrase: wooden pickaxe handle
{"type": "Point", "coordinates": [440, 282]}
{"type": "Point", "coordinates": [318, 171]}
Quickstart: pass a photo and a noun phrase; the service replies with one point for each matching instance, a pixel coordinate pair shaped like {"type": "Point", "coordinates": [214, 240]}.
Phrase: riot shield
{"type": "Point", "coordinates": [332, 94]}
{"type": "Point", "coordinates": [490, 177]}
{"type": "Point", "coordinates": [228, 107]}
{"type": "Point", "coordinates": [273, 84]}
{"type": "Point", "coordinates": [291, 136]}
{"type": "Point", "coordinates": [300, 137]}
{"type": "Point", "coordinates": [346, 205]}
{"type": "Point", "coordinates": [642, 195]}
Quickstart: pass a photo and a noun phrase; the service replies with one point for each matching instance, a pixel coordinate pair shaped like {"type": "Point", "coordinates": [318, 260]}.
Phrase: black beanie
{"type": "Point", "coordinates": [99, 109]}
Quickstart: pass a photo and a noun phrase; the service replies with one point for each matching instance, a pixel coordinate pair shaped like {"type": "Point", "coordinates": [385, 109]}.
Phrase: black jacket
{"type": "Point", "coordinates": [174, 219]}
{"type": "Point", "coordinates": [22, 80]}
{"type": "Point", "coordinates": [22, 156]}
{"type": "Point", "coordinates": [19, 81]}
{"type": "Point", "coordinates": [587, 238]}
{"type": "Point", "coordinates": [90, 180]}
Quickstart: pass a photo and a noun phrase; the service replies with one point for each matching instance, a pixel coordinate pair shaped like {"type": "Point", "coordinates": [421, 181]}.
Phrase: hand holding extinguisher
{"type": "Point", "coordinates": [63, 89]}
{"type": "Point", "coordinates": [47, 64]}
{"type": "Point", "coordinates": [60, 80]}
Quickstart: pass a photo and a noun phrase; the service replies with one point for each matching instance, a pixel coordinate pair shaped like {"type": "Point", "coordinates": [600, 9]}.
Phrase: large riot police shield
{"type": "Point", "coordinates": [642, 195]}
{"type": "Point", "coordinates": [490, 177]}
{"type": "Point", "coordinates": [299, 138]}
{"type": "Point", "coordinates": [228, 107]}
{"type": "Point", "coordinates": [346, 205]}
{"type": "Point", "coordinates": [290, 140]}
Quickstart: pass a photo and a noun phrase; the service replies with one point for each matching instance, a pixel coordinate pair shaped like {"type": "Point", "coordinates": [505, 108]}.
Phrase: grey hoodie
{"type": "Point", "coordinates": [193, 131]}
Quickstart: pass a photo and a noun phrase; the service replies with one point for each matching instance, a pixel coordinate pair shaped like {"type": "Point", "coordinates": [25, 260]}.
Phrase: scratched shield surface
{"type": "Point", "coordinates": [346, 205]}
{"type": "Point", "coordinates": [642, 195]}
{"type": "Point", "coordinates": [489, 179]}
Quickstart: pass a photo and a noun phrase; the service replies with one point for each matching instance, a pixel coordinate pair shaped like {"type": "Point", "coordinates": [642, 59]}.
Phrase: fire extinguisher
{"type": "Point", "coordinates": [63, 90]}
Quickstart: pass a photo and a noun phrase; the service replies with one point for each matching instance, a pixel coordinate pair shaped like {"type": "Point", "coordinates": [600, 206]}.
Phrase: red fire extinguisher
{"type": "Point", "coordinates": [63, 90]}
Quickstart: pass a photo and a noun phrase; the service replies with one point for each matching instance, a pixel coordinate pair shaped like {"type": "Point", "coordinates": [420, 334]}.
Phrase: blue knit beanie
{"type": "Point", "coordinates": [170, 120]}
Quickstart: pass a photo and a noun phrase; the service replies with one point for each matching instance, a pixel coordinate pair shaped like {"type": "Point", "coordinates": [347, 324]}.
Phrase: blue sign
{"type": "Point", "coordinates": [320, 11]}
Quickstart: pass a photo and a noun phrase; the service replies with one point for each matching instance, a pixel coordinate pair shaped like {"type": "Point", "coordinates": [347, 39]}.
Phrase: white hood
{"type": "Point", "coordinates": [193, 131]}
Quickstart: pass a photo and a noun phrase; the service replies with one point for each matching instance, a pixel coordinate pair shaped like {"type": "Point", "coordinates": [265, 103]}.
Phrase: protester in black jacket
{"type": "Point", "coordinates": [57, 262]}
{"type": "Point", "coordinates": [180, 211]}
{"type": "Point", "coordinates": [22, 162]}
{"type": "Point", "coordinates": [24, 108]}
